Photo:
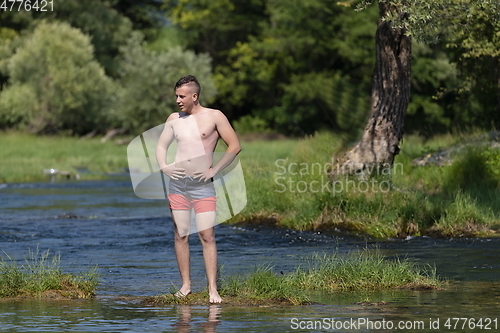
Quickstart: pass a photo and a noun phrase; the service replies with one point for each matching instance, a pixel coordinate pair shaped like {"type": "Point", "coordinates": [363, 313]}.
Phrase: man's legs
{"type": "Point", "coordinates": [205, 225]}
{"type": "Point", "coordinates": [181, 231]}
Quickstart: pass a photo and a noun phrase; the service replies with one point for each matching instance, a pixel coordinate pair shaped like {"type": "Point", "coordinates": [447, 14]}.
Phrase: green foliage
{"type": "Point", "coordinates": [298, 65]}
{"type": "Point", "coordinates": [97, 18]}
{"type": "Point", "coordinates": [166, 38]}
{"type": "Point", "coordinates": [148, 79]}
{"type": "Point", "coordinates": [492, 160]}
{"type": "Point", "coordinates": [216, 26]}
{"type": "Point", "coordinates": [434, 84]}
{"type": "Point", "coordinates": [474, 169]}
{"type": "Point", "coordinates": [469, 31]}
{"type": "Point", "coordinates": [304, 81]}
{"type": "Point", "coordinates": [16, 105]}
{"type": "Point", "coordinates": [55, 84]}
{"type": "Point", "coordinates": [8, 43]}
{"type": "Point", "coordinates": [146, 15]}
{"type": "Point", "coordinates": [470, 23]}
{"type": "Point", "coordinates": [324, 100]}
{"type": "Point", "coordinates": [250, 124]}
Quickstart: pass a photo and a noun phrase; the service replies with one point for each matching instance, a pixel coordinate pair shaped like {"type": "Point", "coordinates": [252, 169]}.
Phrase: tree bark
{"type": "Point", "coordinates": [389, 100]}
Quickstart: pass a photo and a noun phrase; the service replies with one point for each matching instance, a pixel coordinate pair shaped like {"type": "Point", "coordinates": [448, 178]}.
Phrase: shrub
{"type": "Point", "coordinates": [55, 83]}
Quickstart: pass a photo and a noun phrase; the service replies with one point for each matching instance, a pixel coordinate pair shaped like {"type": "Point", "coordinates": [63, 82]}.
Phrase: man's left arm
{"type": "Point", "coordinates": [228, 135]}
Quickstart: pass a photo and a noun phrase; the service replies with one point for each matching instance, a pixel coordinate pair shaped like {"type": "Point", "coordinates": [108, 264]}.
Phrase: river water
{"type": "Point", "coordinates": [130, 239]}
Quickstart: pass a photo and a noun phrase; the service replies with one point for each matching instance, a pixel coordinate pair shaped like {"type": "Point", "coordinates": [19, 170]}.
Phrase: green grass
{"type": "Point", "coordinates": [363, 270]}
{"type": "Point", "coordinates": [25, 156]}
{"type": "Point", "coordinates": [41, 275]}
{"type": "Point", "coordinates": [441, 201]}
{"type": "Point", "coordinates": [263, 284]}
{"type": "Point", "coordinates": [261, 152]}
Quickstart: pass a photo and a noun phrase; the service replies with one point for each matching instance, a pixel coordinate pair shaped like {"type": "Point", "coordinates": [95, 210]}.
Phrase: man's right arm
{"type": "Point", "coordinates": [166, 138]}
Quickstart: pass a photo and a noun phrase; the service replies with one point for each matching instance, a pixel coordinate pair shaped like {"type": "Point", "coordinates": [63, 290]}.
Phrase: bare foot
{"type": "Point", "coordinates": [214, 297]}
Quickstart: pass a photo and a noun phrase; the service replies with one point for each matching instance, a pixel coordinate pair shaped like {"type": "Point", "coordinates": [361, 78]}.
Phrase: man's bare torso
{"type": "Point", "coordinates": [196, 136]}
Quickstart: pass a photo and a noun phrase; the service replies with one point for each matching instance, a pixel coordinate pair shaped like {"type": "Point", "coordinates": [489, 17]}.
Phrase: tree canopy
{"type": "Point", "coordinates": [291, 66]}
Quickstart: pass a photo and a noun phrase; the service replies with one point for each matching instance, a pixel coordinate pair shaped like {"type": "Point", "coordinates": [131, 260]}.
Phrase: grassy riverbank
{"type": "Point", "coordinates": [291, 190]}
{"type": "Point", "coordinates": [366, 270]}
{"type": "Point", "coordinates": [25, 156]}
{"type": "Point", "coordinates": [287, 184]}
{"type": "Point", "coordinates": [41, 277]}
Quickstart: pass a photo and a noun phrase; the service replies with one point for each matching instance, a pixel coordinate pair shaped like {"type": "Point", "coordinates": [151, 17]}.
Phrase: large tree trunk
{"type": "Point", "coordinates": [390, 98]}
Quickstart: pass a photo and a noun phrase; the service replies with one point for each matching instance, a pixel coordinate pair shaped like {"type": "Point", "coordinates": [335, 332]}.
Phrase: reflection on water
{"type": "Point", "coordinates": [131, 240]}
{"type": "Point", "coordinates": [185, 322]}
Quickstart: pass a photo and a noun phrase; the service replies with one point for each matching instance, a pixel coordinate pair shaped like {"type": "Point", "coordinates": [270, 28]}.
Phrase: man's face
{"type": "Point", "coordinates": [186, 97]}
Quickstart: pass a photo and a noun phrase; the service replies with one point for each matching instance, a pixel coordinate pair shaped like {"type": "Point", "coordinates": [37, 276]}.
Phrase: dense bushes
{"type": "Point", "coordinates": [56, 85]}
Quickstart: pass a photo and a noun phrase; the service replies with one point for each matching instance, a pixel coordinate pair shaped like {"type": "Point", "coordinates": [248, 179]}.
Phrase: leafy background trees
{"type": "Point", "coordinates": [55, 83]}
{"type": "Point", "coordinates": [146, 96]}
{"type": "Point", "coordinates": [289, 66]}
{"type": "Point", "coordinates": [468, 34]}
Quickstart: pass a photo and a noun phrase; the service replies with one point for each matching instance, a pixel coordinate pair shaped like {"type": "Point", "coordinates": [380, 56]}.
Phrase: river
{"type": "Point", "coordinates": [130, 239]}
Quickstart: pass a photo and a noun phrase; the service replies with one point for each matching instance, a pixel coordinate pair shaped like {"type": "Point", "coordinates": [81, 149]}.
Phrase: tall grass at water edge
{"type": "Point", "coordinates": [364, 270]}
{"type": "Point", "coordinates": [41, 274]}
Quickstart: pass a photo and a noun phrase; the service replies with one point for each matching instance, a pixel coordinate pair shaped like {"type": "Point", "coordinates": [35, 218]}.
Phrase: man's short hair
{"type": "Point", "coordinates": [187, 80]}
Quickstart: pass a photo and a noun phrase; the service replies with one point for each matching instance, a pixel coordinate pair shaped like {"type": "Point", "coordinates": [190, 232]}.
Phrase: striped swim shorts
{"type": "Point", "coordinates": [188, 193]}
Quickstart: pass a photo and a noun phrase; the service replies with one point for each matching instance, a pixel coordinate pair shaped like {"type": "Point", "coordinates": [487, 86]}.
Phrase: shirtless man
{"type": "Point", "coordinates": [196, 130]}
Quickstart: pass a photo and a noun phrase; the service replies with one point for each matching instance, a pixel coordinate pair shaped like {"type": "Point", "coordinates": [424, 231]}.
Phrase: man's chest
{"type": "Point", "coordinates": [194, 130]}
